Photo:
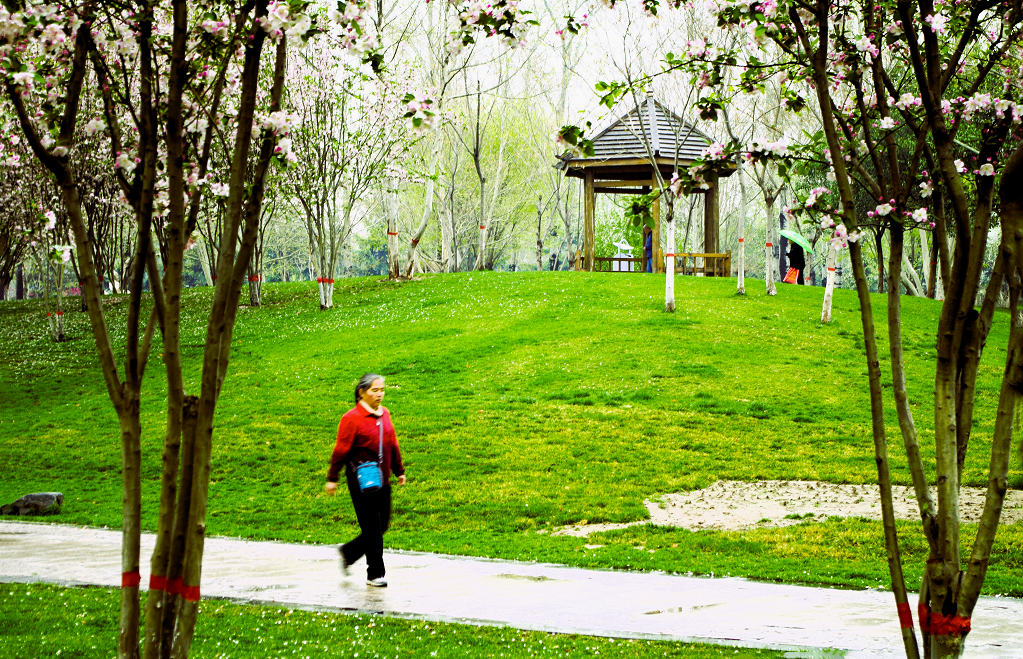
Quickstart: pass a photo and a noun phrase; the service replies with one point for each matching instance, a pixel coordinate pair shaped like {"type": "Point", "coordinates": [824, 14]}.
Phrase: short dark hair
{"type": "Point", "coordinates": [365, 382]}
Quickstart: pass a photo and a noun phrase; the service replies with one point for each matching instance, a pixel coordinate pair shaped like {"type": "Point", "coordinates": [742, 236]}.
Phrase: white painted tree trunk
{"type": "Point", "coordinates": [769, 262]}
{"type": "Point", "coordinates": [481, 256]}
{"type": "Point", "coordinates": [925, 258]}
{"type": "Point", "coordinates": [326, 293]}
{"type": "Point", "coordinates": [447, 238]}
{"type": "Point", "coordinates": [204, 263]}
{"type": "Point", "coordinates": [939, 287]}
{"type": "Point", "coordinates": [389, 195]}
{"type": "Point", "coordinates": [669, 265]}
{"type": "Point", "coordinates": [910, 278]}
{"type": "Point", "coordinates": [740, 252]}
{"type": "Point", "coordinates": [428, 199]}
{"type": "Point", "coordinates": [829, 287]}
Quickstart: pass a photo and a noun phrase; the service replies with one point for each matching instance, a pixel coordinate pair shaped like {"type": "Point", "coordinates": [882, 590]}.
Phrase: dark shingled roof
{"type": "Point", "coordinates": [667, 133]}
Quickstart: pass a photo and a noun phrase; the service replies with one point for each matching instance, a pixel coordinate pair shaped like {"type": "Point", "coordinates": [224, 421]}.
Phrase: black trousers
{"type": "Point", "coordinates": [373, 510]}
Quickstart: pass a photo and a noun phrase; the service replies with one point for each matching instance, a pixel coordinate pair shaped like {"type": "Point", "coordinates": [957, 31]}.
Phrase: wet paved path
{"type": "Point", "coordinates": [523, 595]}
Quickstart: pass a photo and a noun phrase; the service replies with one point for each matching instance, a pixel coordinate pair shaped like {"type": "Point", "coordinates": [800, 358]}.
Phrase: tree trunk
{"type": "Point", "coordinates": [424, 219]}
{"type": "Point", "coordinates": [910, 279]}
{"type": "Point", "coordinates": [740, 251]}
{"type": "Point", "coordinates": [539, 234]}
{"type": "Point", "coordinates": [829, 287]}
{"type": "Point", "coordinates": [669, 256]}
{"type": "Point", "coordinates": [879, 251]}
{"type": "Point", "coordinates": [769, 249]}
{"type": "Point", "coordinates": [929, 265]}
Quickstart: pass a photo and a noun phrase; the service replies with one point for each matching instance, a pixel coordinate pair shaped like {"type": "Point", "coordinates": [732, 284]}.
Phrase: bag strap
{"type": "Point", "coordinates": [380, 446]}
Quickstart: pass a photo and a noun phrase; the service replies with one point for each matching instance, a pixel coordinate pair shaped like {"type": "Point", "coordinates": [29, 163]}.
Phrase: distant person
{"type": "Point", "coordinates": [797, 260]}
{"type": "Point", "coordinates": [648, 249]}
{"type": "Point", "coordinates": [366, 435]}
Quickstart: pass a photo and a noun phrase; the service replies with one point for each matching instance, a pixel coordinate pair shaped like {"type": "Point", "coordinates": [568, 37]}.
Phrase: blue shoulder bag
{"type": "Point", "coordinates": [370, 474]}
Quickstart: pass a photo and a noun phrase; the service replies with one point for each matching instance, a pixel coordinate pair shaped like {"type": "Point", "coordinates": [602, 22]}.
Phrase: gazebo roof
{"type": "Point", "coordinates": [619, 149]}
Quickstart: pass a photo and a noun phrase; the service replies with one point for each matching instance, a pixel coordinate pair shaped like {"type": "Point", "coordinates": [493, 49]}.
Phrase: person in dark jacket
{"type": "Point", "coordinates": [648, 249]}
{"type": "Point", "coordinates": [797, 260]}
{"type": "Point", "coordinates": [366, 434]}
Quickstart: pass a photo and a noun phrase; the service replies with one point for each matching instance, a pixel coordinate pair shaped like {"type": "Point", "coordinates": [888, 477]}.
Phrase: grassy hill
{"type": "Point", "coordinates": [523, 402]}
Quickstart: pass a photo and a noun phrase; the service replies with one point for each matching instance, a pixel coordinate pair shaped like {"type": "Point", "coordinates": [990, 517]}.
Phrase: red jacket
{"type": "Point", "coordinates": [358, 439]}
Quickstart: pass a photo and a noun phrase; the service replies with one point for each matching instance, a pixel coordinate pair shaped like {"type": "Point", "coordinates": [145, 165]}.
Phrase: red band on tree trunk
{"type": "Point", "coordinates": [667, 255]}
{"type": "Point", "coordinates": [742, 240]}
{"type": "Point", "coordinates": [415, 241]}
{"type": "Point", "coordinates": [905, 615]}
{"type": "Point", "coordinates": [130, 579]}
{"type": "Point", "coordinates": [924, 613]}
{"type": "Point", "coordinates": [174, 586]}
{"type": "Point", "coordinates": [482, 228]}
{"type": "Point", "coordinates": [392, 233]}
{"type": "Point", "coordinates": [768, 244]}
{"type": "Point", "coordinates": [943, 625]}
{"type": "Point", "coordinates": [190, 593]}
{"type": "Point", "coordinates": [156, 582]}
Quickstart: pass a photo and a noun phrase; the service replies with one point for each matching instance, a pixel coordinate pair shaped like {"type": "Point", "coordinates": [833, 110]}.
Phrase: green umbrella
{"type": "Point", "coordinates": [797, 238]}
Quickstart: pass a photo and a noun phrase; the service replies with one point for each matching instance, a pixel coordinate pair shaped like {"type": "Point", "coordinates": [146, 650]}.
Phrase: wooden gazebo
{"type": "Point", "coordinates": [622, 164]}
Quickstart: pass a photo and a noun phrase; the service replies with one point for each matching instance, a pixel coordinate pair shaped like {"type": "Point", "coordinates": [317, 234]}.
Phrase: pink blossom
{"type": "Point", "coordinates": [938, 23]}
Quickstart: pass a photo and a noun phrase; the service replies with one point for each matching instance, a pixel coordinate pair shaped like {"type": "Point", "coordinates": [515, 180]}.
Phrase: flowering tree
{"type": "Point", "coordinates": [941, 77]}
{"type": "Point", "coordinates": [25, 195]}
{"type": "Point", "coordinates": [167, 75]}
{"type": "Point", "coordinates": [348, 130]}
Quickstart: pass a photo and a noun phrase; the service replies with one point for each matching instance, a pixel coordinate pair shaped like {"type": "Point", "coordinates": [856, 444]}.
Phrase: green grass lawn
{"type": "Point", "coordinates": [48, 621]}
{"type": "Point", "coordinates": [523, 402]}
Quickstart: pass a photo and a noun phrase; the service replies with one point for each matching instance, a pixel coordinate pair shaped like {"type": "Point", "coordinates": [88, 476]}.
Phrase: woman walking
{"type": "Point", "coordinates": [366, 435]}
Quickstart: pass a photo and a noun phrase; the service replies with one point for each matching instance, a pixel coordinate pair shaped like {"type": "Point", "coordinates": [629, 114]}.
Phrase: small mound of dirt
{"type": "Point", "coordinates": [737, 505]}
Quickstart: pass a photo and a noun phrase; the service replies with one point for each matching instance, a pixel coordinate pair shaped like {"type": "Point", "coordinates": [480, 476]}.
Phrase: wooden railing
{"type": "Point", "coordinates": [708, 265]}
{"type": "Point", "coordinates": [617, 264]}
{"type": "Point", "coordinates": [686, 263]}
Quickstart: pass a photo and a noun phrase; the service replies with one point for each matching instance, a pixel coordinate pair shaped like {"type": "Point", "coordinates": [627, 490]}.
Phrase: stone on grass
{"type": "Point", "coordinates": [39, 503]}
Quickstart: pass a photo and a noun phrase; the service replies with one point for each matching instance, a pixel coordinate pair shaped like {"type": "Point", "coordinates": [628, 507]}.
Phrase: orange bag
{"type": "Point", "coordinates": [791, 276]}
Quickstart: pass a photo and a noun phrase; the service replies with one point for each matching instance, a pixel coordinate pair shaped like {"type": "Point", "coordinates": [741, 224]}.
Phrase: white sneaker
{"type": "Point", "coordinates": [379, 582]}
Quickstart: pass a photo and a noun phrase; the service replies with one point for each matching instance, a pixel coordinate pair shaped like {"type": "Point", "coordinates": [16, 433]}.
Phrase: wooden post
{"type": "Point", "coordinates": [711, 230]}
{"type": "Point", "coordinates": [655, 209]}
{"type": "Point", "coordinates": [588, 235]}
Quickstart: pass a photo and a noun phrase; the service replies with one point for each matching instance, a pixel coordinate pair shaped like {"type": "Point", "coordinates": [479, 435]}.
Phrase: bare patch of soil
{"type": "Point", "coordinates": [737, 505]}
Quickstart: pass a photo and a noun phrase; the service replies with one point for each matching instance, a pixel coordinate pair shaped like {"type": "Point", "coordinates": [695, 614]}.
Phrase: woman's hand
{"type": "Point", "coordinates": [330, 488]}
{"type": "Point", "coordinates": [401, 479]}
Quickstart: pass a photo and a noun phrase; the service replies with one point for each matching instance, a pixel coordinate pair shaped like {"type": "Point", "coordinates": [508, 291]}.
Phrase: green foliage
{"type": "Point", "coordinates": [638, 211]}
{"type": "Point", "coordinates": [523, 402]}
{"type": "Point", "coordinates": [43, 620]}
